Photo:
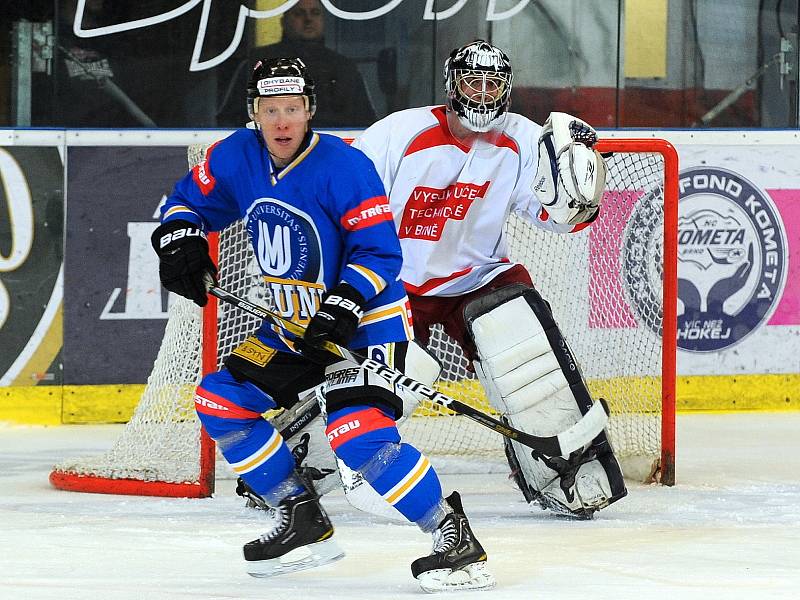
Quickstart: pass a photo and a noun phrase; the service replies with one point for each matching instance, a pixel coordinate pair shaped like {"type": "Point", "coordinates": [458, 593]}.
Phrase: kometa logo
{"type": "Point", "coordinates": [731, 259]}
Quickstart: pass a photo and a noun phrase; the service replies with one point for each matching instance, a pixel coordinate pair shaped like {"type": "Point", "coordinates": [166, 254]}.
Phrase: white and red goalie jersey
{"type": "Point", "coordinates": [450, 201]}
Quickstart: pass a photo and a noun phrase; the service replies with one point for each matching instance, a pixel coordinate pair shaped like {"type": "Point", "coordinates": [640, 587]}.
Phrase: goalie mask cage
{"type": "Point", "coordinates": [612, 288]}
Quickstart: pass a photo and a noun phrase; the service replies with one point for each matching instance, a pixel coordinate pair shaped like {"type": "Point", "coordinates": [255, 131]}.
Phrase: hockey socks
{"type": "Point", "coordinates": [366, 440]}
{"type": "Point", "coordinates": [231, 412]}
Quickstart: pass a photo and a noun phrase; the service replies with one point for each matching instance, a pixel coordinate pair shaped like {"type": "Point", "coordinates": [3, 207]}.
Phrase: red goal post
{"type": "Point", "coordinates": [669, 307]}
{"type": "Point", "coordinates": [630, 259]}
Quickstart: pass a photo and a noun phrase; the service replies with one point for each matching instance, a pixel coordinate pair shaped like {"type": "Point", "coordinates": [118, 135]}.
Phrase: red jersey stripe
{"type": "Point", "coordinates": [214, 405]}
{"type": "Point", "coordinates": [369, 212]}
{"type": "Point", "coordinates": [436, 282]}
{"type": "Point", "coordinates": [202, 174]}
{"type": "Point", "coordinates": [441, 136]}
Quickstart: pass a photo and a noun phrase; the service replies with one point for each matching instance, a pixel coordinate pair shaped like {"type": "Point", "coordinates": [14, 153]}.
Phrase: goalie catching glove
{"type": "Point", "coordinates": [571, 175]}
{"type": "Point", "coordinates": [336, 321]}
{"type": "Point", "coordinates": [185, 266]}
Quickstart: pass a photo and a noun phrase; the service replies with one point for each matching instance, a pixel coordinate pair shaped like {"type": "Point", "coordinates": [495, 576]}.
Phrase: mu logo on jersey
{"type": "Point", "coordinates": [274, 248]}
{"type": "Point", "coordinates": [286, 241]}
{"type": "Point", "coordinates": [428, 209]}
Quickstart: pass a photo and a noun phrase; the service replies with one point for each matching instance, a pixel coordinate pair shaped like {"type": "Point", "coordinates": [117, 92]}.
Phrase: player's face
{"type": "Point", "coordinates": [304, 20]}
{"type": "Point", "coordinates": [480, 88]}
{"type": "Point", "coordinates": [283, 121]}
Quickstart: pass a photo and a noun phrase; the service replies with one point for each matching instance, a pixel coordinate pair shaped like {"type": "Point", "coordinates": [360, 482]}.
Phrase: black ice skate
{"type": "Point", "coordinates": [458, 561]}
{"type": "Point", "coordinates": [300, 539]}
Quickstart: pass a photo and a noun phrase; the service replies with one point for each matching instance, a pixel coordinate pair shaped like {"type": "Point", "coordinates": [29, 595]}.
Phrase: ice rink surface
{"type": "Point", "coordinates": [729, 530]}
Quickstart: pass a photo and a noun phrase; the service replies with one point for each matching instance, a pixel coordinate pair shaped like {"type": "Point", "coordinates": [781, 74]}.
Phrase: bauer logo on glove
{"type": "Point", "coordinates": [185, 268]}
{"type": "Point", "coordinates": [336, 321]}
{"type": "Point", "coordinates": [346, 304]}
{"type": "Point", "coordinates": [572, 175]}
{"type": "Point", "coordinates": [178, 234]}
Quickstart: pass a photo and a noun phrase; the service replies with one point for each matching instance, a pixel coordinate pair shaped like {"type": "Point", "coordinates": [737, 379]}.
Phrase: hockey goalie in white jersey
{"type": "Point", "coordinates": [453, 174]}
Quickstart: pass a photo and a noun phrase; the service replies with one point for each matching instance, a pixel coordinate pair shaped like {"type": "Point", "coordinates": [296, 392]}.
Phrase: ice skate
{"type": "Point", "coordinates": [252, 500]}
{"type": "Point", "coordinates": [458, 561]}
{"type": "Point", "coordinates": [299, 539]}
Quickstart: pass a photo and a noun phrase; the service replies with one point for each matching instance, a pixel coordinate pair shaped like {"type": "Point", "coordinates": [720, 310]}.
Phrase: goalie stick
{"type": "Point", "coordinates": [563, 444]}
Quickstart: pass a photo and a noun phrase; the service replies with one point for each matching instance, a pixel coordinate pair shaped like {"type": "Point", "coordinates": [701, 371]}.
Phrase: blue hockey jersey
{"type": "Point", "coordinates": [322, 219]}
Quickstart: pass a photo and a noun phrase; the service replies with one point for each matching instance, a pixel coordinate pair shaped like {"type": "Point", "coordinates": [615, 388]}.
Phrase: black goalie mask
{"type": "Point", "coordinates": [478, 83]}
{"type": "Point", "coordinates": [280, 77]}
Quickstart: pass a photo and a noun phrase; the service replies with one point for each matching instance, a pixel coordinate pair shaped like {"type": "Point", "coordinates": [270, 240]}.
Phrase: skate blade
{"type": "Point", "coordinates": [472, 577]}
{"type": "Point", "coordinates": [299, 559]}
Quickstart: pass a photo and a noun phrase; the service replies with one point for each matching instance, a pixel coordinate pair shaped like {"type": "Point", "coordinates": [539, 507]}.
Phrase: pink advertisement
{"type": "Point", "coordinates": [738, 253]}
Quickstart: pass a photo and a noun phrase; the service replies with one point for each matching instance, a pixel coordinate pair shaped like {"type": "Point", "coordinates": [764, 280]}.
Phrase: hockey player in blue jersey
{"type": "Point", "coordinates": [323, 236]}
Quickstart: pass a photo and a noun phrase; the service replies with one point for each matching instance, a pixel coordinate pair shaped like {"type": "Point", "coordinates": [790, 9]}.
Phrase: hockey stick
{"type": "Point", "coordinates": [563, 444]}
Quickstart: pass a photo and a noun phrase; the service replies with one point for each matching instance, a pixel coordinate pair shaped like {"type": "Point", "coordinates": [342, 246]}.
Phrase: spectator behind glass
{"type": "Point", "coordinates": [93, 91]}
{"type": "Point", "coordinates": [343, 98]}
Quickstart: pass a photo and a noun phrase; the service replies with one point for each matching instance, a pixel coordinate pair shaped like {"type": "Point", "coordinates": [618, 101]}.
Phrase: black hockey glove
{"type": "Point", "coordinates": [185, 263]}
{"type": "Point", "coordinates": [336, 321]}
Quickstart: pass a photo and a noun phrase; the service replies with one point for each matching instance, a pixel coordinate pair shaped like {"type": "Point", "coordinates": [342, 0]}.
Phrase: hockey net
{"type": "Point", "coordinates": [612, 289]}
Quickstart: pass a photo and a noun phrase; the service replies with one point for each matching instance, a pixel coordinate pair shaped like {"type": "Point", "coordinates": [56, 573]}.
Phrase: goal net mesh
{"type": "Point", "coordinates": [604, 287]}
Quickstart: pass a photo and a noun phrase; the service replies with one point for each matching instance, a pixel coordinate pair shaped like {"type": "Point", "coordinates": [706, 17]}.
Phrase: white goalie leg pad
{"type": "Point", "coordinates": [421, 366]}
{"type": "Point", "coordinates": [531, 376]}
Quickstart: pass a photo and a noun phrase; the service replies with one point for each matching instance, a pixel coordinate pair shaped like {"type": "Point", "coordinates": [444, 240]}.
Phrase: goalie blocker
{"type": "Point", "coordinates": [532, 378]}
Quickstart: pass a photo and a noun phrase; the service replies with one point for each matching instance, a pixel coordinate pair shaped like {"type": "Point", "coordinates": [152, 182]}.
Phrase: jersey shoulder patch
{"type": "Point", "coordinates": [224, 151]}
{"type": "Point", "coordinates": [201, 173]}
